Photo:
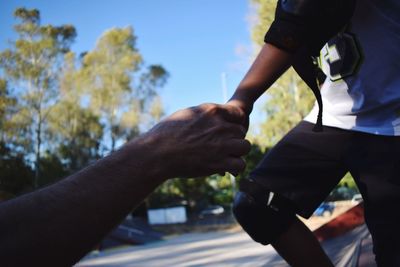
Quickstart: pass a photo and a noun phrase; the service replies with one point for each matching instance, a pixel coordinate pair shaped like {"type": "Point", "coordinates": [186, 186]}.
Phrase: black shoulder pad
{"type": "Point", "coordinates": [309, 23]}
{"type": "Point", "coordinates": [300, 7]}
{"type": "Point", "coordinates": [302, 27]}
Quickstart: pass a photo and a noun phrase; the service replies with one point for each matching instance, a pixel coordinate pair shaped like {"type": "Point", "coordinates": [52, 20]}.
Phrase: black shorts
{"type": "Point", "coordinates": [305, 166]}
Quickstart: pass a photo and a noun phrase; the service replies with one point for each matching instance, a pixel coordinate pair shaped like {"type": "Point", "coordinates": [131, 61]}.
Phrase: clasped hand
{"type": "Point", "coordinates": [202, 140]}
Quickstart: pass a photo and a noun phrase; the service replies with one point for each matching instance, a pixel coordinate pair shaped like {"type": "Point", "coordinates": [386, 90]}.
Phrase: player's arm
{"type": "Point", "coordinates": [59, 224]}
{"type": "Point", "coordinates": [269, 65]}
{"type": "Point", "coordinates": [300, 29]}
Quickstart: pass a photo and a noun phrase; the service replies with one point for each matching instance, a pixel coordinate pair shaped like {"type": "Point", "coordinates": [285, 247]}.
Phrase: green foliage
{"type": "Point", "coordinates": [7, 102]}
{"type": "Point", "coordinates": [344, 190]}
{"type": "Point", "coordinates": [75, 130]}
{"type": "Point", "coordinates": [15, 175]}
{"type": "Point", "coordinates": [63, 111]}
{"type": "Point", "coordinates": [198, 193]}
{"type": "Point", "coordinates": [252, 159]}
{"type": "Point", "coordinates": [78, 133]}
{"type": "Point", "coordinates": [108, 71]}
{"type": "Point", "coordinates": [289, 102]}
{"type": "Point", "coordinates": [193, 191]}
{"type": "Point", "coordinates": [28, 16]}
{"type": "Point", "coordinates": [154, 77]}
{"type": "Point", "coordinates": [220, 189]}
{"type": "Point", "coordinates": [348, 181]}
{"type": "Point", "coordinates": [265, 15]}
{"type": "Point", "coordinates": [11, 116]}
{"type": "Point", "coordinates": [51, 169]}
{"type": "Point", "coordinates": [32, 64]}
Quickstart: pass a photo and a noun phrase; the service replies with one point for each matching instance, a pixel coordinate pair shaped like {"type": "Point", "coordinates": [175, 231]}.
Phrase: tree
{"type": "Point", "coordinates": [32, 65]}
{"type": "Point", "coordinates": [52, 169]}
{"type": "Point", "coordinates": [7, 102]}
{"type": "Point", "coordinates": [252, 159]}
{"type": "Point", "coordinates": [75, 130]}
{"type": "Point", "coordinates": [288, 103]}
{"type": "Point", "coordinates": [190, 192]}
{"type": "Point", "coordinates": [289, 99]}
{"type": "Point", "coordinates": [15, 175]}
{"type": "Point", "coordinates": [198, 193]}
{"type": "Point", "coordinates": [109, 70]}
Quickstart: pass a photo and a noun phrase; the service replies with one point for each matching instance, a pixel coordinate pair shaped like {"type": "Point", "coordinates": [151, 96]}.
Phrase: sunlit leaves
{"type": "Point", "coordinates": [115, 95]}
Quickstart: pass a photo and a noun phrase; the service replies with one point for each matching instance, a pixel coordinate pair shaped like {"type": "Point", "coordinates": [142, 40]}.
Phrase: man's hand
{"type": "Point", "coordinates": [192, 142]}
{"type": "Point", "coordinates": [200, 141]}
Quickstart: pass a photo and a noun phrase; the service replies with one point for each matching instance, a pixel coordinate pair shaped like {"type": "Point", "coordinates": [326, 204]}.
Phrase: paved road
{"type": "Point", "coordinates": [217, 249]}
{"type": "Point", "coordinates": [198, 249]}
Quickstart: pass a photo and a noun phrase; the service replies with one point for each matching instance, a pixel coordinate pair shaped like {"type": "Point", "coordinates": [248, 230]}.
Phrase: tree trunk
{"type": "Point", "coordinates": [37, 153]}
{"type": "Point", "coordinates": [112, 142]}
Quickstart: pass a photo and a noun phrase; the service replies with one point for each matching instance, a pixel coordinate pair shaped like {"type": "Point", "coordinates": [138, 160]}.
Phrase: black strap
{"type": "Point", "coordinates": [307, 70]}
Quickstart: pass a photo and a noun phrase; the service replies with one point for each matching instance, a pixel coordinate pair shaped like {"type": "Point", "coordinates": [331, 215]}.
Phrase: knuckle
{"type": "Point", "coordinates": [203, 108]}
{"type": "Point", "coordinates": [193, 112]}
{"type": "Point", "coordinates": [214, 110]}
{"type": "Point", "coordinates": [211, 108]}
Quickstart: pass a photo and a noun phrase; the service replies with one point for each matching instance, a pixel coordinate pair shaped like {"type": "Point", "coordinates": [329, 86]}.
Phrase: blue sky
{"type": "Point", "coordinates": [196, 41]}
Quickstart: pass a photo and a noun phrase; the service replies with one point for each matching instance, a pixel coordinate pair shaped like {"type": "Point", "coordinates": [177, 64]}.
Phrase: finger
{"type": "Point", "coordinates": [237, 147]}
{"type": "Point", "coordinates": [234, 165]}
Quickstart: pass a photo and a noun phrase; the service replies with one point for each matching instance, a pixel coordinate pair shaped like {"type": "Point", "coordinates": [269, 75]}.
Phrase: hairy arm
{"type": "Point", "coordinates": [59, 224]}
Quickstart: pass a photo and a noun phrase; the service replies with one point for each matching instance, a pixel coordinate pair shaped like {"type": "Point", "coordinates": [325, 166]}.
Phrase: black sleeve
{"type": "Point", "coordinates": [308, 23]}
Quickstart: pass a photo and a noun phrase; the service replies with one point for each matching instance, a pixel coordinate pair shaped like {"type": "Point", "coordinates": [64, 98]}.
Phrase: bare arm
{"type": "Point", "coordinates": [59, 224]}
{"type": "Point", "coordinates": [297, 245]}
{"type": "Point", "coordinates": [269, 65]}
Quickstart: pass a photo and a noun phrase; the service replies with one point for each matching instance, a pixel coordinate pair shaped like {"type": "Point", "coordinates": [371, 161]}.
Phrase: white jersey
{"type": "Point", "coordinates": [362, 89]}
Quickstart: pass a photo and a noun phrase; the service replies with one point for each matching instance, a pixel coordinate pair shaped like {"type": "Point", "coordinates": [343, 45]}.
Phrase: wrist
{"type": "Point", "coordinates": [145, 155]}
{"type": "Point", "coordinates": [243, 102]}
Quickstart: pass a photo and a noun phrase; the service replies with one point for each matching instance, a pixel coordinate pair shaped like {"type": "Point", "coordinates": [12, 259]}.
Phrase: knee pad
{"type": "Point", "coordinates": [263, 219]}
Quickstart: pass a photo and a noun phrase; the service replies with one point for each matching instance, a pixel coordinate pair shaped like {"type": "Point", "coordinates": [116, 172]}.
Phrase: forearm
{"type": "Point", "coordinates": [269, 65]}
{"type": "Point", "coordinates": [59, 224]}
